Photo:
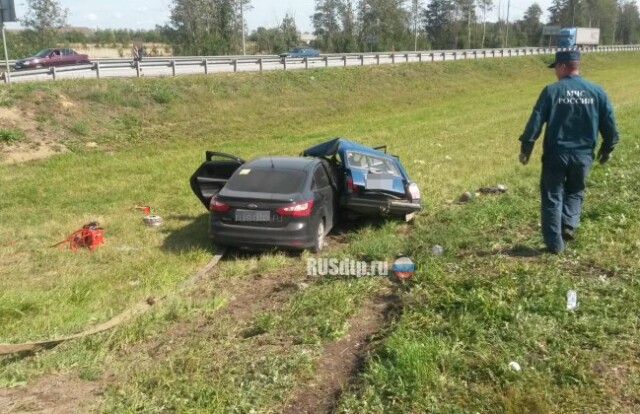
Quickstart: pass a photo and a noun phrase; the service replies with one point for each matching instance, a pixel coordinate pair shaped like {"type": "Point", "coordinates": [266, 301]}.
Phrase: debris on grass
{"type": "Point", "coordinates": [514, 366]}
{"type": "Point", "coordinates": [472, 195]}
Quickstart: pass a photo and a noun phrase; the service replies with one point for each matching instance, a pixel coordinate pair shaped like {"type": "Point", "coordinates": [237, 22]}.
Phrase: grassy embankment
{"type": "Point", "coordinates": [465, 315]}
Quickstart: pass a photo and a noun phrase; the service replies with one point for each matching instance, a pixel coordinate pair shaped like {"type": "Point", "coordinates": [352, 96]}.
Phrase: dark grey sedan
{"type": "Point", "coordinates": [285, 202]}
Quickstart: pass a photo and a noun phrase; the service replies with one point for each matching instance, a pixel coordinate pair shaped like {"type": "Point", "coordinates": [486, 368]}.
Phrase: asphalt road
{"type": "Point", "coordinates": [155, 69]}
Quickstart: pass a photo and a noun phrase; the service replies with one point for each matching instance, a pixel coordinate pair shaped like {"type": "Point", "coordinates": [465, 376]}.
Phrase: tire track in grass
{"type": "Point", "coordinates": [341, 361]}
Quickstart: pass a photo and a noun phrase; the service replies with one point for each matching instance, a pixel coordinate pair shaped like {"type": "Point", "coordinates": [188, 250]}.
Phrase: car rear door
{"type": "Point", "coordinates": [213, 174]}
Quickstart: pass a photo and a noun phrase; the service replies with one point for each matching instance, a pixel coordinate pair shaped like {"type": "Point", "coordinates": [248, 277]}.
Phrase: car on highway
{"type": "Point", "coordinates": [371, 182]}
{"type": "Point", "coordinates": [52, 57]}
{"type": "Point", "coordinates": [268, 202]}
{"type": "Point", "coordinates": [300, 52]}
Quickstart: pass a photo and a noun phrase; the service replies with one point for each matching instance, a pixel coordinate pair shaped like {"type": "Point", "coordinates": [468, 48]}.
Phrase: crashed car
{"type": "Point", "coordinates": [293, 202]}
{"type": "Point", "coordinates": [372, 181]}
{"type": "Point", "coordinates": [286, 202]}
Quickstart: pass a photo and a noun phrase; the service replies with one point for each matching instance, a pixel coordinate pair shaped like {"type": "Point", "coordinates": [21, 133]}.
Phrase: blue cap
{"type": "Point", "coordinates": [565, 56]}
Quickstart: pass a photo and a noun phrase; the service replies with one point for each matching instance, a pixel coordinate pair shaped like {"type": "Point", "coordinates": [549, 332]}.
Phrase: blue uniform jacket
{"type": "Point", "coordinates": [574, 110]}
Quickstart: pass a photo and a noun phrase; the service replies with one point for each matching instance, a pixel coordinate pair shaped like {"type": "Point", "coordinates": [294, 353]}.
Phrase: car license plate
{"type": "Point", "coordinates": [253, 216]}
{"type": "Point", "coordinates": [381, 181]}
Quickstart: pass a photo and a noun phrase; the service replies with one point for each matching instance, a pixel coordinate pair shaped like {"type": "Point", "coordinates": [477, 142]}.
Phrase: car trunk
{"type": "Point", "coordinates": [253, 209]}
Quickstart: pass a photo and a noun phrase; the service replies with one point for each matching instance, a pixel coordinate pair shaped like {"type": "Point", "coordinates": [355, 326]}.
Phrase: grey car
{"type": "Point", "coordinates": [284, 202]}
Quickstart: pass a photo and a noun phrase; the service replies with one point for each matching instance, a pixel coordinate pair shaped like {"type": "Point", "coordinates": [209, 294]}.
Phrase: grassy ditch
{"type": "Point", "coordinates": [465, 315]}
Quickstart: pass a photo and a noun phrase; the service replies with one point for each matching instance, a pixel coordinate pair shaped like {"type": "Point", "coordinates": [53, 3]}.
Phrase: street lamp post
{"type": "Point", "coordinates": [244, 49]}
{"type": "Point", "coordinates": [507, 37]}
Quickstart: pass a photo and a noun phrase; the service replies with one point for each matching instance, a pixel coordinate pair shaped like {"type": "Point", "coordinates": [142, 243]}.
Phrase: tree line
{"type": "Point", "coordinates": [217, 27]}
{"type": "Point", "coordinates": [380, 25]}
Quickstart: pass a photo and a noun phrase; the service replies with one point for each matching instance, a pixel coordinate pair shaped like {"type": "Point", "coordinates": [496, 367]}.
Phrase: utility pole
{"type": "Point", "coordinates": [7, 14]}
{"type": "Point", "coordinates": [500, 22]}
{"type": "Point", "coordinates": [6, 55]}
{"type": "Point", "coordinates": [244, 48]}
{"type": "Point", "coordinates": [507, 38]}
{"type": "Point", "coordinates": [415, 25]}
{"type": "Point", "coordinates": [615, 20]}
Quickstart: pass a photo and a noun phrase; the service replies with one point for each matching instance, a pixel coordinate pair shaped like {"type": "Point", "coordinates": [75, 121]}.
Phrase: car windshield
{"type": "Point", "coordinates": [371, 163]}
{"type": "Point", "coordinates": [43, 53]}
{"type": "Point", "coordinates": [267, 181]}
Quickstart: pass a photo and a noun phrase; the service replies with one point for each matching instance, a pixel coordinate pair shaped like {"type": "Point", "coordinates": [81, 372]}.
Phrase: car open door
{"type": "Point", "coordinates": [213, 174]}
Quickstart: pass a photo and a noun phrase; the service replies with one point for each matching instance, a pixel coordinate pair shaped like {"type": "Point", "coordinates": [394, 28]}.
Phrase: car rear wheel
{"type": "Point", "coordinates": [319, 238]}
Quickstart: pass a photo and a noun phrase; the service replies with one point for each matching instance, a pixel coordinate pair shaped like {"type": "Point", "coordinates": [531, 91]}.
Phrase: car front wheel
{"type": "Point", "coordinates": [319, 238]}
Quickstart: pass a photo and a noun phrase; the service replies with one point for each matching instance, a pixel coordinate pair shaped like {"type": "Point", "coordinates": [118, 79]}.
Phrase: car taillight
{"type": "Point", "coordinates": [414, 191]}
{"type": "Point", "coordinates": [351, 188]}
{"type": "Point", "coordinates": [299, 209]}
{"type": "Point", "coordinates": [218, 206]}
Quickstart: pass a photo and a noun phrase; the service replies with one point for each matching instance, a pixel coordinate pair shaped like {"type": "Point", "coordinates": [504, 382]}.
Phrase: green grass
{"type": "Point", "coordinates": [11, 135]}
{"type": "Point", "coordinates": [465, 315]}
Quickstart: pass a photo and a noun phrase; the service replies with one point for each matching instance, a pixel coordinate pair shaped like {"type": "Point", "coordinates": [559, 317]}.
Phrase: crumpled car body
{"type": "Point", "coordinates": [343, 176]}
{"type": "Point", "coordinates": [372, 181]}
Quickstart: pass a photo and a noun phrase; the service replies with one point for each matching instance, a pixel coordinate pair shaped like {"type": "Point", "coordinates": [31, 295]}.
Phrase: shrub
{"type": "Point", "coordinates": [11, 135]}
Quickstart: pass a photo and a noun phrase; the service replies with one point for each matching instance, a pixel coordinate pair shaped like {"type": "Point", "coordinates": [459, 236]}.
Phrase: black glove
{"type": "Point", "coordinates": [602, 156]}
{"type": "Point", "coordinates": [524, 158]}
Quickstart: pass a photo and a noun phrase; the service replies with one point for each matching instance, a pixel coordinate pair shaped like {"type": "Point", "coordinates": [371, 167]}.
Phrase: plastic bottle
{"type": "Point", "coordinates": [572, 299]}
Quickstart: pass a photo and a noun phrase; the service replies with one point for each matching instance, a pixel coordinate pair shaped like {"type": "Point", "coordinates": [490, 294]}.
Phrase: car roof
{"type": "Point", "coordinates": [341, 145]}
{"type": "Point", "coordinates": [288, 163]}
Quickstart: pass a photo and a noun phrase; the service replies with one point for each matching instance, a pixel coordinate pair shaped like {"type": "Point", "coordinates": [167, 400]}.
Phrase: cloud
{"type": "Point", "coordinates": [91, 17]}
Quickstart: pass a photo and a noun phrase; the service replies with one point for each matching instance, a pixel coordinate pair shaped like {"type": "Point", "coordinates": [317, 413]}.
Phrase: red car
{"type": "Point", "coordinates": [52, 57]}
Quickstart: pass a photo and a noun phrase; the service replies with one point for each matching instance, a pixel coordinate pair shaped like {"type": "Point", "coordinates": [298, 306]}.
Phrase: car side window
{"type": "Point", "coordinates": [320, 178]}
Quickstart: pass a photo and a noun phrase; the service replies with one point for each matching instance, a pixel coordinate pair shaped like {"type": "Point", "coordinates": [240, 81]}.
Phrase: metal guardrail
{"type": "Point", "coordinates": [211, 64]}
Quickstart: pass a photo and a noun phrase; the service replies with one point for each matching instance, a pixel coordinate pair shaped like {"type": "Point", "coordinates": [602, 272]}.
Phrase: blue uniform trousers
{"type": "Point", "coordinates": [562, 190]}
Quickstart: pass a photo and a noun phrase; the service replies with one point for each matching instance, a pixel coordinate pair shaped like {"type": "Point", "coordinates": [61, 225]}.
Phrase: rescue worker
{"type": "Point", "coordinates": [574, 111]}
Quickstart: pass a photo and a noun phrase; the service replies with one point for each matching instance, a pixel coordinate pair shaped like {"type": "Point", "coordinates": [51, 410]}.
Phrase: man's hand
{"type": "Point", "coordinates": [524, 158]}
{"type": "Point", "coordinates": [603, 157]}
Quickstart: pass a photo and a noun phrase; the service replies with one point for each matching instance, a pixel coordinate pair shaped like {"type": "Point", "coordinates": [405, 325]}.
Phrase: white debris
{"type": "Point", "coordinates": [572, 299]}
{"type": "Point", "coordinates": [514, 366]}
{"type": "Point", "coordinates": [437, 250]}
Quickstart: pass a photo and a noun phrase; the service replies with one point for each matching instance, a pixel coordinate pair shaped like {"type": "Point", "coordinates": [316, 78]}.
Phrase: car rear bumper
{"type": "Point", "coordinates": [294, 236]}
{"type": "Point", "coordinates": [379, 207]}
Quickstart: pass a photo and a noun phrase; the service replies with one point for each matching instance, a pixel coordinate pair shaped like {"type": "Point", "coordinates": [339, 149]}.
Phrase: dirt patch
{"type": "Point", "coordinates": [52, 394]}
{"type": "Point", "coordinates": [9, 115]}
{"type": "Point", "coordinates": [38, 140]}
{"type": "Point", "coordinates": [247, 297]}
{"type": "Point", "coordinates": [342, 360]}
{"type": "Point", "coordinates": [21, 153]}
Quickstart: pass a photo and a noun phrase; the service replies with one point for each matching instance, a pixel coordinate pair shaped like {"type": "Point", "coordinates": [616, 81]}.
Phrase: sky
{"type": "Point", "coordinates": [146, 14]}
